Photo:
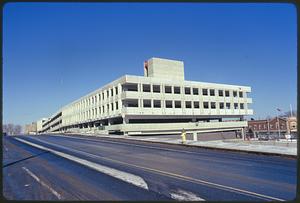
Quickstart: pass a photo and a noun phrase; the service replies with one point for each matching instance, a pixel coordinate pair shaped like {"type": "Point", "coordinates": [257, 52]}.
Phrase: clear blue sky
{"type": "Point", "coordinates": [55, 53]}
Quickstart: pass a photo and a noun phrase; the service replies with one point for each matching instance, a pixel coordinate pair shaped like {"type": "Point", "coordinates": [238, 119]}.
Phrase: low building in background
{"type": "Point", "coordinates": [292, 124]}
{"type": "Point", "coordinates": [31, 129]}
{"type": "Point", "coordinates": [160, 102]}
{"type": "Point", "coordinates": [270, 126]}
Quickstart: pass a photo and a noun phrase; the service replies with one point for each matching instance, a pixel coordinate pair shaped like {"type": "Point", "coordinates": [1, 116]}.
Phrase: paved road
{"type": "Point", "coordinates": [169, 172]}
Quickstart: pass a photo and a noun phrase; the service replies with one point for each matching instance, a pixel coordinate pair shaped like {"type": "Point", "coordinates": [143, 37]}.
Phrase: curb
{"type": "Point", "coordinates": [195, 146]}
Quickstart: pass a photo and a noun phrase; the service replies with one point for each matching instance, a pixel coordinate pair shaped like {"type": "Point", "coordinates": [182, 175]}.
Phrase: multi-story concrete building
{"type": "Point", "coordinates": [39, 124]}
{"type": "Point", "coordinates": [160, 102]}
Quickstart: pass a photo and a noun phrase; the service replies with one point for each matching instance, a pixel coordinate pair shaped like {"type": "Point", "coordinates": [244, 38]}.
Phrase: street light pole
{"type": "Point", "coordinates": [278, 125]}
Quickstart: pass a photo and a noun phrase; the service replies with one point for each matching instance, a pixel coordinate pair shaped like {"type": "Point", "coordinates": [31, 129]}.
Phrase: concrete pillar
{"type": "Point", "coordinates": [243, 133]}
{"type": "Point", "coordinates": [195, 138]}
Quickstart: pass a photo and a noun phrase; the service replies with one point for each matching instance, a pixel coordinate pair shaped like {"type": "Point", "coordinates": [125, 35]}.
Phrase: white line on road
{"type": "Point", "coordinates": [124, 176]}
{"type": "Point", "coordinates": [42, 183]}
{"type": "Point", "coordinates": [182, 195]}
{"type": "Point", "coordinates": [178, 176]}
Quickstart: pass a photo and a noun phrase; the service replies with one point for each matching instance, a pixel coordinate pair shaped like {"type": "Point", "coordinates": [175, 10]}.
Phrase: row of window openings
{"type": "Point", "coordinates": [102, 110]}
{"type": "Point", "coordinates": [265, 126]}
{"type": "Point", "coordinates": [94, 99]}
{"type": "Point", "coordinates": [168, 89]}
{"type": "Point", "coordinates": [187, 90]}
{"type": "Point", "coordinates": [188, 104]}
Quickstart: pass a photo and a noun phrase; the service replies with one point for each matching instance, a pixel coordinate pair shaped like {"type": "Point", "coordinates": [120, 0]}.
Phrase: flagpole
{"type": "Point", "coordinates": [291, 110]}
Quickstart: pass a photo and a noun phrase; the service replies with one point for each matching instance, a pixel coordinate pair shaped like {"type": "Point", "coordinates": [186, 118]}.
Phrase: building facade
{"type": "Point", "coordinates": [30, 129]}
{"type": "Point", "coordinates": [287, 125]}
{"type": "Point", "coordinates": [161, 101]}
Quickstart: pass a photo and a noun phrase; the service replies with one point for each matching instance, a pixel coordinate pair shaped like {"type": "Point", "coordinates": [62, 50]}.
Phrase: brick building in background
{"type": "Point", "coordinates": [270, 126]}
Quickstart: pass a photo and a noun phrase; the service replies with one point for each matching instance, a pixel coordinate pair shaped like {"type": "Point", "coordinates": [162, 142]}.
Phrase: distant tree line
{"type": "Point", "coordinates": [11, 129]}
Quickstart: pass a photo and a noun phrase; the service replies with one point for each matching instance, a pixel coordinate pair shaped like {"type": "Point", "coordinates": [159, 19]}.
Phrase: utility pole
{"type": "Point", "coordinates": [278, 123]}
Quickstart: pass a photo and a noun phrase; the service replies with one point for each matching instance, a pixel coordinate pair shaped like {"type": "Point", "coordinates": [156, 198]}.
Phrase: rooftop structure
{"type": "Point", "coordinates": [161, 101]}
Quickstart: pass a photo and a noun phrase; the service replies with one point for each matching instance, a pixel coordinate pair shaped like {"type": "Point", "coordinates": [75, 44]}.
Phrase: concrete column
{"type": "Point", "coordinates": [195, 138]}
{"type": "Point", "coordinates": [243, 133]}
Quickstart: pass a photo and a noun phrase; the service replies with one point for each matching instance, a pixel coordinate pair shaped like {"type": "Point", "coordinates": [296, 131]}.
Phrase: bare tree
{"type": "Point", "coordinates": [10, 129]}
{"type": "Point", "coordinates": [4, 128]}
{"type": "Point", "coordinates": [17, 129]}
{"type": "Point", "coordinates": [289, 113]}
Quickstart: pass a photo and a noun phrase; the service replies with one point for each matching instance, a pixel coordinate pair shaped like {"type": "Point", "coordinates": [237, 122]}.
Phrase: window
{"type": "Point", "coordinates": [204, 92]}
{"type": "Point", "coordinates": [234, 93]}
{"type": "Point", "coordinates": [156, 88]}
{"type": "Point", "coordinates": [99, 97]}
{"type": "Point", "coordinates": [130, 103]}
{"type": "Point", "coordinates": [176, 90]}
{"type": "Point", "coordinates": [103, 109]}
{"type": "Point", "coordinates": [92, 100]}
{"type": "Point", "coordinates": [221, 93]}
{"type": "Point", "coordinates": [146, 88]}
{"type": "Point", "coordinates": [147, 103]}
{"type": "Point", "coordinates": [213, 105]}
{"type": "Point", "coordinates": [241, 106]}
{"type": "Point", "coordinates": [188, 104]}
{"type": "Point", "coordinates": [112, 91]}
{"type": "Point", "coordinates": [187, 90]}
{"type": "Point", "coordinates": [107, 93]}
{"type": "Point", "coordinates": [196, 105]}
{"type": "Point", "coordinates": [117, 107]}
{"type": "Point", "coordinates": [102, 95]}
{"type": "Point", "coordinates": [116, 90]}
{"type": "Point", "coordinates": [100, 110]}
{"type": "Point", "coordinates": [156, 103]}
{"type": "Point", "coordinates": [177, 104]}
{"type": "Point", "coordinates": [112, 106]}
{"type": "Point", "coordinates": [241, 94]}
{"type": "Point", "coordinates": [130, 87]}
{"type": "Point", "coordinates": [226, 93]}
{"type": "Point", "coordinates": [168, 89]}
{"type": "Point", "coordinates": [227, 105]}
{"type": "Point", "coordinates": [236, 106]}
{"type": "Point", "coordinates": [205, 105]}
{"type": "Point", "coordinates": [195, 91]}
{"type": "Point", "coordinates": [221, 105]}
{"type": "Point", "coordinates": [169, 104]}
{"type": "Point", "coordinates": [212, 92]}
{"type": "Point", "coordinates": [107, 108]}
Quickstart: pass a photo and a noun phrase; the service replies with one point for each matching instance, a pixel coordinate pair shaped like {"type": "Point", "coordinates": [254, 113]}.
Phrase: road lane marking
{"type": "Point", "coordinates": [173, 175]}
{"type": "Point", "coordinates": [183, 195]}
{"type": "Point", "coordinates": [121, 175]}
{"type": "Point", "coordinates": [42, 183]}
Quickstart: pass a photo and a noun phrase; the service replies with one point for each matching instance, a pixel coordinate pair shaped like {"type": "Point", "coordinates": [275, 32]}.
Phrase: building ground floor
{"type": "Point", "coordinates": [151, 124]}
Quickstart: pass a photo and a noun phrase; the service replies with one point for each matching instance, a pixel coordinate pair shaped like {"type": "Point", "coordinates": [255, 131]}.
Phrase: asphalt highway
{"type": "Point", "coordinates": [62, 167]}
